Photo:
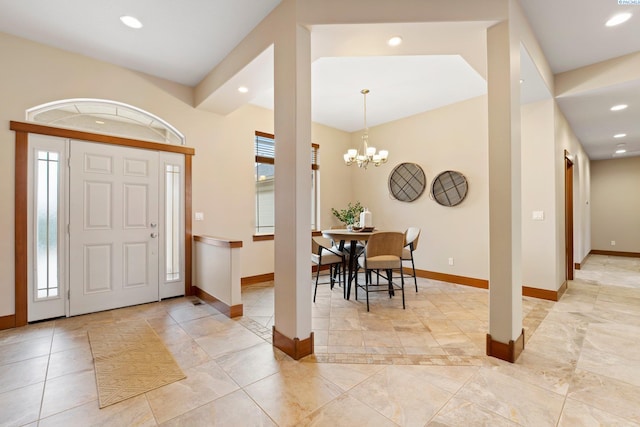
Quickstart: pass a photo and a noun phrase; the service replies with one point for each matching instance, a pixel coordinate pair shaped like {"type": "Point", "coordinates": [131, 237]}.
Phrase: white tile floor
{"type": "Point", "coordinates": [421, 366]}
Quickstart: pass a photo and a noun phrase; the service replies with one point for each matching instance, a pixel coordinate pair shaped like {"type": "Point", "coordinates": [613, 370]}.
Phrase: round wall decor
{"type": "Point", "coordinates": [449, 188]}
{"type": "Point", "coordinates": [407, 182]}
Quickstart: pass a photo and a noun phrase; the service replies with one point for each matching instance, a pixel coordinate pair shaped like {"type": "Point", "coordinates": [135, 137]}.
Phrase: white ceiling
{"type": "Point", "coordinates": [183, 41]}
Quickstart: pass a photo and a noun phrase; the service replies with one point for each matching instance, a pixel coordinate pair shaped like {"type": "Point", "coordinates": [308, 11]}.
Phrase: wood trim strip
{"type": "Point", "coordinates": [268, 160]}
{"type": "Point", "coordinates": [265, 135]}
{"type": "Point", "coordinates": [508, 352]}
{"type": "Point", "coordinates": [188, 222]}
{"type": "Point", "coordinates": [96, 137]}
{"type": "Point", "coordinates": [614, 253]}
{"type": "Point", "coordinates": [450, 278]}
{"type": "Point", "coordinates": [8, 322]}
{"type": "Point", "coordinates": [296, 348]}
{"type": "Point", "coordinates": [229, 311]}
{"type": "Point", "coordinates": [218, 241]}
{"type": "Point", "coordinates": [21, 227]}
{"type": "Point", "coordinates": [252, 280]}
{"type": "Point", "coordinates": [540, 293]}
{"type": "Point", "coordinates": [262, 237]}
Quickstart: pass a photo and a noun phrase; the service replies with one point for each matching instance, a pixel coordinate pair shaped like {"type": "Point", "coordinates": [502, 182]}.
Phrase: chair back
{"type": "Point", "coordinates": [319, 242]}
{"type": "Point", "coordinates": [412, 235]}
{"type": "Point", "coordinates": [385, 243]}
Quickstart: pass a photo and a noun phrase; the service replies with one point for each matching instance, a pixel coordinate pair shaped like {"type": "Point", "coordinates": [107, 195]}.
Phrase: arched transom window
{"type": "Point", "coordinates": [106, 116]}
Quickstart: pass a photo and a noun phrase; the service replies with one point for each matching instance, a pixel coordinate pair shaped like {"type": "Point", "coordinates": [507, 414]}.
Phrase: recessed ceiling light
{"type": "Point", "coordinates": [521, 80]}
{"type": "Point", "coordinates": [621, 151]}
{"type": "Point", "coordinates": [100, 122]}
{"type": "Point", "coordinates": [243, 89]}
{"type": "Point", "coordinates": [619, 135]}
{"type": "Point", "coordinates": [618, 19]}
{"type": "Point", "coordinates": [394, 41]}
{"type": "Point", "coordinates": [619, 107]}
{"type": "Point", "coordinates": [131, 22]}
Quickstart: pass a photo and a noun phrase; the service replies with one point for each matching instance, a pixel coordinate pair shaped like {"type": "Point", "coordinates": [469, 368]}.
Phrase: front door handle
{"type": "Point", "coordinates": [154, 235]}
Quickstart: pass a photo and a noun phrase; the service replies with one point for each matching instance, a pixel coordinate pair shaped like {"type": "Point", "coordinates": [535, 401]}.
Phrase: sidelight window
{"type": "Point", "coordinates": [47, 193]}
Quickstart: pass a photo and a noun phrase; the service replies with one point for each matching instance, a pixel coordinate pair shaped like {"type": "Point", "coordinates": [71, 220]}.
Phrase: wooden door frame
{"type": "Point", "coordinates": [568, 215]}
{"type": "Point", "coordinates": [22, 131]}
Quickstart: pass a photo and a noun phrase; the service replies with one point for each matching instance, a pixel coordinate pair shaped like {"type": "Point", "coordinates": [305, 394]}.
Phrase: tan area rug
{"type": "Point", "coordinates": [130, 359]}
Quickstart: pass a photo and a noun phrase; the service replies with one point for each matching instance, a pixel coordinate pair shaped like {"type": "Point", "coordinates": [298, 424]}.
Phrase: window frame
{"type": "Point", "coordinates": [315, 167]}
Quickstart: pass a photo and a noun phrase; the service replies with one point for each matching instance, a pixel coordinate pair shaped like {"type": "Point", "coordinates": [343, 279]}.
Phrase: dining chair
{"type": "Point", "coordinates": [411, 237]}
{"type": "Point", "coordinates": [383, 252]}
{"type": "Point", "coordinates": [322, 254]}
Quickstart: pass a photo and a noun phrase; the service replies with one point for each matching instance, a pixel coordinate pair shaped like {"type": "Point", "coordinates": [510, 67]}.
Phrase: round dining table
{"type": "Point", "coordinates": [341, 236]}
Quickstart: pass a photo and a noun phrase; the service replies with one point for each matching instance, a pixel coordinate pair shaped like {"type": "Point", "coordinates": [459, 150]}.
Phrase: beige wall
{"type": "Point", "coordinates": [223, 169]}
{"type": "Point", "coordinates": [615, 204]}
{"type": "Point", "coordinates": [538, 174]}
{"type": "Point", "coordinates": [450, 138]}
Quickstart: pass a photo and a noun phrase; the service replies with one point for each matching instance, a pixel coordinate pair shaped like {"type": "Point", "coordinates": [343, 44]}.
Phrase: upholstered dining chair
{"type": "Point", "coordinates": [411, 237]}
{"type": "Point", "coordinates": [322, 254]}
{"type": "Point", "coordinates": [383, 252]}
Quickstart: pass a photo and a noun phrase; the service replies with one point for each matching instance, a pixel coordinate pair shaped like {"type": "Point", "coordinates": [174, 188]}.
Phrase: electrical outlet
{"type": "Point", "coordinates": [199, 216]}
{"type": "Point", "coordinates": [451, 261]}
{"type": "Point", "coordinates": [613, 243]}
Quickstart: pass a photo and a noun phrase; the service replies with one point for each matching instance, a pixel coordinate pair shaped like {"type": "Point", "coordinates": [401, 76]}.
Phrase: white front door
{"type": "Point", "coordinates": [113, 212]}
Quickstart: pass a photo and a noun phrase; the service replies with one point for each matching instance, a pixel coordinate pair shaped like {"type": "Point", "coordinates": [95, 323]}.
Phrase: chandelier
{"type": "Point", "coordinates": [368, 154]}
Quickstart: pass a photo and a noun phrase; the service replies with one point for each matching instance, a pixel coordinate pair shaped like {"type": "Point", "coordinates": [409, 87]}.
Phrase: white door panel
{"type": "Point", "coordinates": [113, 247]}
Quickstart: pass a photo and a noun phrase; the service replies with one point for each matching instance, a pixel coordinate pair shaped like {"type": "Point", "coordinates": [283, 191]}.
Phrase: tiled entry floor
{"type": "Point", "coordinates": [580, 366]}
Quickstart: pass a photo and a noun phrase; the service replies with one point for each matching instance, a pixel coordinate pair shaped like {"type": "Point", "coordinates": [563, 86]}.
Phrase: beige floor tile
{"type": "Point", "coordinates": [27, 333]}
{"type": "Point", "coordinates": [70, 361]}
{"type": "Point", "coordinates": [20, 374]}
{"type": "Point", "coordinates": [234, 409]}
{"type": "Point", "coordinates": [401, 395]}
{"type": "Point", "coordinates": [347, 376]}
{"type": "Point", "coordinates": [607, 394]}
{"type": "Point", "coordinates": [68, 391]}
{"type": "Point", "coordinates": [188, 353]}
{"type": "Point", "coordinates": [23, 350]}
{"type": "Point", "coordinates": [63, 341]}
{"type": "Point", "coordinates": [21, 406]}
{"type": "Point", "coordinates": [204, 326]}
{"type": "Point", "coordinates": [531, 405]}
{"type": "Point", "coordinates": [204, 383]}
{"type": "Point", "coordinates": [131, 412]}
{"type": "Point", "coordinates": [345, 411]}
{"type": "Point", "coordinates": [459, 412]}
{"type": "Point", "coordinates": [228, 340]}
{"type": "Point", "coordinates": [578, 414]}
{"type": "Point", "coordinates": [346, 338]}
{"type": "Point", "coordinates": [251, 364]}
{"type": "Point", "coordinates": [293, 393]}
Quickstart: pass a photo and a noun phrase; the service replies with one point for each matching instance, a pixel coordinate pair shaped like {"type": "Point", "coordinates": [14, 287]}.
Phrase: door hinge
{"type": "Point", "coordinates": [68, 229]}
{"type": "Point", "coordinates": [69, 294]}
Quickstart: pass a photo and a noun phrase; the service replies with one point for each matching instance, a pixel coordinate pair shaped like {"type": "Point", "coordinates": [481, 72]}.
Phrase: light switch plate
{"type": "Point", "coordinates": [199, 216]}
{"type": "Point", "coordinates": [537, 215]}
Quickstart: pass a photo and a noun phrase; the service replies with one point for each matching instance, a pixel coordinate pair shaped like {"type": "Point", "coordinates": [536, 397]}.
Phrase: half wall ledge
{"type": "Point", "coordinates": [216, 273]}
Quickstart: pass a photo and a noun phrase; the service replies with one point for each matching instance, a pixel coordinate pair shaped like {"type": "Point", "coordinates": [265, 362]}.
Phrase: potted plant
{"type": "Point", "coordinates": [350, 215]}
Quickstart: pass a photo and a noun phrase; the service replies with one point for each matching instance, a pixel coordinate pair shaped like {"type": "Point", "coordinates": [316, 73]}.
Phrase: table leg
{"type": "Point", "coordinates": [353, 264]}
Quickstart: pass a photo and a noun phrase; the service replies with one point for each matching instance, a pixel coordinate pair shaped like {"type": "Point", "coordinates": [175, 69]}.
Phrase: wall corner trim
{"type": "Point", "coordinates": [508, 352]}
{"type": "Point", "coordinates": [296, 348]}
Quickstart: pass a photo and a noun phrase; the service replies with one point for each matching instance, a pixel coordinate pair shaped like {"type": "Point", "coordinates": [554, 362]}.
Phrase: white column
{"type": "Point", "coordinates": [292, 71]}
{"type": "Point", "coordinates": [505, 272]}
